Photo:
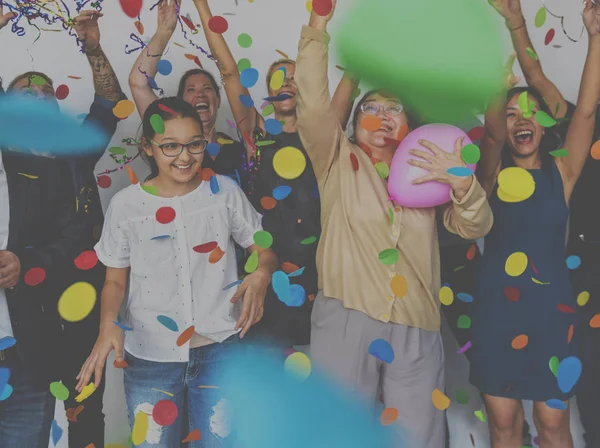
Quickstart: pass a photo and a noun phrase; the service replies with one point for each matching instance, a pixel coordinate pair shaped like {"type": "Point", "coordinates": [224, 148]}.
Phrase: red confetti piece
{"type": "Point", "coordinates": [189, 23]}
{"type": "Point", "coordinates": [197, 61]}
{"type": "Point", "coordinates": [131, 8]}
{"type": "Point", "coordinates": [570, 333]}
{"type": "Point", "coordinates": [74, 77]}
{"type": "Point", "coordinates": [190, 56]}
{"type": "Point", "coordinates": [549, 36]}
{"type": "Point", "coordinates": [207, 173]}
{"type": "Point", "coordinates": [167, 110]}
{"type": "Point", "coordinates": [165, 215]}
{"type": "Point", "coordinates": [206, 247]}
{"type": "Point", "coordinates": [322, 7]}
{"type": "Point", "coordinates": [595, 321]}
{"type": "Point", "coordinates": [165, 412]}
{"type": "Point", "coordinates": [268, 203]}
{"type": "Point", "coordinates": [388, 416]}
{"type": "Point", "coordinates": [476, 133]}
{"type": "Point", "coordinates": [62, 92]}
{"type": "Point", "coordinates": [471, 252]}
{"type": "Point", "coordinates": [311, 297]}
{"type": "Point", "coordinates": [533, 267]}
{"type": "Point", "coordinates": [218, 24]}
{"type": "Point", "coordinates": [354, 161]}
{"type": "Point", "coordinates": [185, 336]}
{"type": "Point", "coordinates": [120, 364]}
{"type": "Point", "coordinates": [192, 436]}
{"type": "Point", "coordinates": [512, 293]}
{"type": "Point", "coordinates": [565, 308]}
{"type": "Point", "coordinates": [72, 413]}
{"type": "Point", "coordinates": [391, 141]}
{"type": "Point", "coordinates": [366, 149]}
{"type": "Point", "coordinates": [104, 181]}
{"type": "Point", "coordinates": [86, 260]}
{"type": "Point", "coordinates": [288, 267]}
{"type": "Point", "coordinates": [139, 26]}
{"type": "Point", "coordinates": [34, 276]}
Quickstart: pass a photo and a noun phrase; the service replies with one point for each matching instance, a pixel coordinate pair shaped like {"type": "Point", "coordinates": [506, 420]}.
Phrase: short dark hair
{"type": "Point", "coordinates": [29, 75]}
{"type": "Point", "coordinates": [197, 71]}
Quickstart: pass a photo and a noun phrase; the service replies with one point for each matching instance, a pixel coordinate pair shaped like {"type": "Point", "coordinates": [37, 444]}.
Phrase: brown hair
{"type": "Point", "coordinates": [197, 71]}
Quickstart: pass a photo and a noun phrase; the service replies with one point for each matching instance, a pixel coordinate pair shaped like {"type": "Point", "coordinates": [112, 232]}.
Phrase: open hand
{"type": "Point", "coordinates": [509, 9]}
{"type": "Point", "coordinates": [168, 15]}
{"type": "Point", "coordinates": [591, 17]}
{"type": "Point", "coordinates": [86, 27]}
{"type": "Point", "coordinates": [109, 339]}
{"type": "Point", "coordinates": [10, 269]}
{"type": "Point", "coordinates": [5, 18]}
{"type": "Point", "coordinates": [253, 289]}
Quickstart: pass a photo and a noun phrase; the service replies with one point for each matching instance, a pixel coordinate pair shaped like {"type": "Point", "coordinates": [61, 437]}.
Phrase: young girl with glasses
{"type": "Point", "coordinates": [170, 240]}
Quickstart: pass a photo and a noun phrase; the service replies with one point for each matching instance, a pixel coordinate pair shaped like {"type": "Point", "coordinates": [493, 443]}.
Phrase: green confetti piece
{"type": "Point", "coordinates": [265, 143]}
{"type": "Point", "coordinates": [244, 40]}
{"type": "Point", "coordinates": [462, 396]}
{"type": "Point", "coordinates": [268, 110]}
{"type": "Point", "coordinates": [471, 154]}
{"type": "Point", "coordinates": [309, 240]}
{"type": "Point", "coordinates": [243, 64]}
{"type": "Point", "coordinates": [37, 80]}
{"type": "Point", "coordinates": [553, 364]}
{"type": "Point", "coordinates": [59, 390]}
{"type": "Point", "coordinates": [391, 215]}
{"type": "Point", "coordinates": [557, 109]}
{"type": "Point", "coordinates": [531, 53]}
{"type": "Point", "coordinates": [480, 415]}
{"type": "Point", "coordinates": [389, 256]}
{"type": "Point", "coordinates": [263, 239]}
{"type": "Point", "coordinates": [464, 322]}
{"type": "Point", "coordinates": [544, 119]}
{"type": "Point", "coordinates": [559, 153]}
{"type": "Point", "coordinates": [150, 190]}
{"type": "Point", "coordinates": [252, 262]}
{"type": "Point", "coordinates": [383, 169]}
{"type": "Point", "coordinates": [117, 150]}
{"type": "Point", "coordinates": [157, 124]}
{"type": "Point", "coordinates": [540, 17]}
{"type": "Point", "coordinates": [523, 102]}
{"type": "Point", "coordinates": [458, 268]}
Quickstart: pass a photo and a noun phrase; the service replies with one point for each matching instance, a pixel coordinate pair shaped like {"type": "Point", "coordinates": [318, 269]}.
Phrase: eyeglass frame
{"type": "Point", "coordinates": [181, 146]}
{"type": "Point", "coordinates": [385, 108]}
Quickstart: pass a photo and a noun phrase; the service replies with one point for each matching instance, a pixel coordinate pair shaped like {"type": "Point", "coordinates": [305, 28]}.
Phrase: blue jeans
{"type": "Point", "coordinates": [147, 381]}
{"type": "Point", "coordinates": [26, 416]}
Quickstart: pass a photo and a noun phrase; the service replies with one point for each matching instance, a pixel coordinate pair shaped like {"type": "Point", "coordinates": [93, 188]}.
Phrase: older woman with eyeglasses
{"type": "Point", "coordinates": [376, 318]}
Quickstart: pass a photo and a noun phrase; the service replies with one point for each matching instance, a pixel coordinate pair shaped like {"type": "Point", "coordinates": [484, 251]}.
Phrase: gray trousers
{"type": "Point", "coordinates": [340, 340]}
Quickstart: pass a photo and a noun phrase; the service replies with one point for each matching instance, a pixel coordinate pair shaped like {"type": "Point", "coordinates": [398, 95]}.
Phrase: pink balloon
{"type": "Point", "coordinates": [430, 194]}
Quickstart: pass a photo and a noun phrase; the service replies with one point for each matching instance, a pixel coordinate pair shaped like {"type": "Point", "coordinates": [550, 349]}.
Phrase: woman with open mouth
{"type": "Point", "coordinates": [524, 314]}
{"type": "Point", "coordinates": [293, 221]}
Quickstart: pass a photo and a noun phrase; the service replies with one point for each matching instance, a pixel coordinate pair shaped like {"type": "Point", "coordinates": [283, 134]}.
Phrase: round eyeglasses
{"type": "Point", "coordinates": [371, 108]}
{"type": "Point", "coordinates": [174, 149]}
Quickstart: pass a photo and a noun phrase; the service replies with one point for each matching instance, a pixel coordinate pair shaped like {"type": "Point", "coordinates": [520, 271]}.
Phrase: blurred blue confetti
{"type": "Point", "coordinates": [167, 322]}
{"type": "Point", "coordinates": [160, 237]}
{"type": "Point", "coordinates": [7, 342]}
{"type": "Point", "coordinates": [281, 285]}
{"type": "Point", "coordinates": [573, 262]}
{"type": "Point", "coordinates": [246, 101]}
{"type": "Point", "coordinates": [164, 67]}
{"type": "Point", "coordinates": [249, 77]}
{"type": "Point", "coordinates": [57, 432]}
{"type": "Point", "coordinates": [460, 171]}
{"type": "Point", "coordinates": [213, 149]}
{"type": "Point", "coordinates": [6, 392]}
{"type": "Point", "coordinates": [296, 273]}
{"type": "Point", "coordinates": [569, 371]}
{"type": "Point", "coordinates": [298, 296]}
{"type": "Point", "coordinates": [231, 285]}
{"type": "Point", "coordinates": [4, 377]}
{"type": "Point", "coordinates": [554, 403]}
{"type": "Point", "coordinates": [281, 192]}
{"type": "Point", "coordinates": [122, 326]}
{"type": "Point", "coordinates": [382, 350]}
{"type": "Point", "coordinates": [273, 127]}
{"type": "Point", "coordinates": [464, 297]}
{"type": "Point", "coordinates": [214, 184]}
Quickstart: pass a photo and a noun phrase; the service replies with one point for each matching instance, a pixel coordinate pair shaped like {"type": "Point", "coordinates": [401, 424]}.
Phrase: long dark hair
{"type": "Point", "coordinates": [181, 109]}
{"type": "Point", "coordinates": [197, 71]}
{"type": "Point", "coordinates": [551, 139]}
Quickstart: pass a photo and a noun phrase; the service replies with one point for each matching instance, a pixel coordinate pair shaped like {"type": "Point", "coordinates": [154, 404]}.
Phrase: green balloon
{"type": "Point", "coordinates": [442, 59]}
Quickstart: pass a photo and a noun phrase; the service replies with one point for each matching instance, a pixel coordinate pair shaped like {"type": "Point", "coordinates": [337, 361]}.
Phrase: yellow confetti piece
{"type": "Point", "coordinates": [440, 401]}
{"type": "Point", "coordinates": [140, 428]}
{"type": "Point", "coordinates": [164, 392]}
{"type": "Point", "coordinates": [289, 162]}
{"type": "Point", "coordinates": [446, 296]}
{"type": "Point", "coordinates": [399, 286]}
{"type": "Point", "coordinates": [480, 415]}
{"type": "Point", "coordinates": [179, 45]}
{"type": "Point", "coordinates": [224, 141]}
{"type": "Point", "coordinates": [583, 298]}
{"type": "Point", "coordinates": [277, 79]}
{"type": "Point", "coordinates": [208, 387]}
{"type": "Point", "coordinates": [515, 184]}
{"type": "Point", "coordinates": [539, 282]}
{"type": "Point", "coordinates": [29, 176]}
{"type": "Point", "coordinates": [516, 264]}
{"type": "Point", "coordinates": [298, 365]}
{"type": "Point", "coordinates": [77, 302]}
{"type": "Point", "coordinates": [309, 7]}
{"type": "Point", "coordinates": [86, 392]}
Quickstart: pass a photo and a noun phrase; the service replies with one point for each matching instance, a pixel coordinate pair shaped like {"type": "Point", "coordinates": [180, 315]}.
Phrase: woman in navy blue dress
{"type": "Point", "coordinates": [524, 312]}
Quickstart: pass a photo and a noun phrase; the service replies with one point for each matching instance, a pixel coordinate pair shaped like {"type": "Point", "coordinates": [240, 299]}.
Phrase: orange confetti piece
{"type": "Point", "coordinates": [191, 57]}
{"type": "Point", "coordinates": [595, 151]}
{"type": "Point", "coordinates": [402, 132]}
{"type": "Point", "coordinates": [520, 342]}
{"type": "Point", "coordinates": [399, 286]}
{"type": "Point", "coordinates": [288, 267]}
{"type": "Point", "coordinates": [186, 335]}
{"type": "Point", "coordinates": [471, 252]}
{"type": "Point", "coordinates": [72, 413]}
{"type": "Point", "coordinates": [192, 436]}
{"type": "Point", "coordinates": [595, 321]}
{"type": "Point", "coordinates": [207, 173]}
{"type": "Point", "coordinates": [440, 401]}
{"type": "Point", "coordinates": [268, 203]}
{"type": "Point", "coordinates": [74, 77]}
{"type": "Point", "coordinates": [370, 123]}
{"type": "Point", "coordinates": [311, 297]}
{"type": "Point", "coordinates": [216, 255]}
{"type": "Point", "coordinates": [132, 177]}
{"type": "Point", "coordinates": [120, 364]}
{"type": "Point", "coordinates": [179, 45]}
{"type": "Point", "coordinates": [139, 26]}
{"type": "Point", "coordinates": [282, 54]}
{"type": "Point", "coordinates": [198, 63]}
{"type": "Point", "coordinates": [388, 416]}
{"type": "Point", "coordinates": [570, 333]}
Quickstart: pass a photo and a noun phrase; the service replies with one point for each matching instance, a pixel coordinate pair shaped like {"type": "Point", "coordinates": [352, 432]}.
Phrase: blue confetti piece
{"type": "Point", "coordinates": [167, 322]}
{"type": "Point", "coordinates": [237, 175]}
{"type": "Point", "coordinates": [297, 273]}
{"type": "Point", "coordinates": [122, 326]}
{"type": "Point", "coordinates": [161, 237]}
{"type": "Point", "coordinates": [249, 77]}
{"type": "Point", "coordinates": [246, 101]}
{"type": "Point", "coordinates": [281, 285]}
{"type": "Point", "coordinates": [213, 149]}
{"type": "Point", "coordinates": [298, 296]}
{"type": "Point", "coordinates": [7, 342]}
{"type": "Point", "coordinates": [382, 350]}
{"type": "Point", "coordinates": [460, 171]}
{"type": "Point", "coordinates": [6, 392]}
{"type": "Point", "coordinates": [573, 262]}
{"type": "Point", "coordinates": [152, 83]}
{"type": "Point", "coordinates": [4, 377]}
{"type": "Point", "coordinates": [57, 432]}
{"type": "Point", "coordinates": [231, 285]}
{"type": "Point", "coordinates": [569, 371]}
{"type": "Point", "coordinates": [281, 192]}
{"type": "Point", "coordinates": [214, 184]}
{"type": "Point", "coordinates": [164, 67]}
{"type": "Point", "coordinates": [555, 403]}
{"type": "Point", "coordinates": [463, 296]}
{"type": "Point", "coordinates": [273, 127]}
{"type": "Point", "coordinates": [280, 97]}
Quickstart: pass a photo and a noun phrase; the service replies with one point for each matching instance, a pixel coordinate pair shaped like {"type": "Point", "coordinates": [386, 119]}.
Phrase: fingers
{"type": "Point", "coordinates": [249, 322]}
{"type": "Point", "coordinates": [458, 145]}
{"type": "Point", "coordinates": [259, 315]}
{"type": "Point", "coordinates": [239, 293]}
{"type": "Point", "coordinates": [432, 147]}
{"type": "Point", "coordinates": [422, 180]}
{"type": "Point", "coordinates": [420, 164]}
{"type": "Point", "coordinates": [244, 315]}
{"type": "Point", "coordinates": [98, 373]}
{"type": "Point", "coordinates": [422, 154]}
{"type": "Point", "coordinates": [86, 372]}
{"type": "Point", "coordinates": [511, 60]}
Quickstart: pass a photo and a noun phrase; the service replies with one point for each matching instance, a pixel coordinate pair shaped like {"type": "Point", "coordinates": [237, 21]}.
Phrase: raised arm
{"type": "Point", "coordinates": [581, 129]}
{"type": "Point", "coordinates": [342, 100]}
{"type": "Point", "coordinates": [510, 10]}
{"type": "Point", "coordinates": [318, 124]}
{"type": "Point", "coordinates": [246, 118]}
{"type": "Point", "coordinates": [5, 18]}
{"type": "Point", "coordinates": [147, 61]}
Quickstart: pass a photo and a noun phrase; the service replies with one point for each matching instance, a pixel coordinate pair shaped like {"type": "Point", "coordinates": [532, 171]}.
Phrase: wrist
{"type": "Point", "coordinates": [263, 272]}
{"type": "Point", "coordinates": [514, 23]}
{"type": "Point", "coordinates": [165, 33]}
{"type": "Point", "coordinates": [461, 187]}
{"type": "Point", "coordinates": [97, 50]}
{"type": "Point", "coordinates": [318, 22]}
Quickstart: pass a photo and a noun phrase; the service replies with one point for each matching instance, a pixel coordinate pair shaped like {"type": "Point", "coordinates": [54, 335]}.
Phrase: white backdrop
{"type": "Point", "coordinates": [273, 25]}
